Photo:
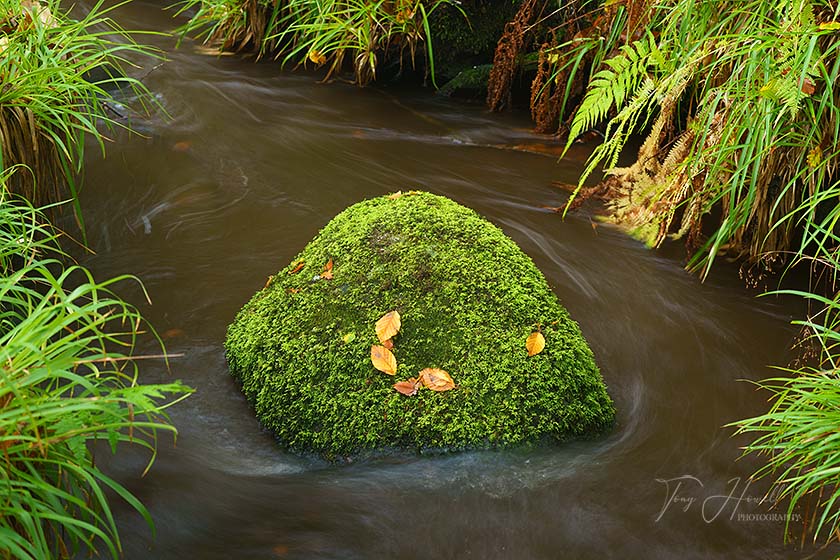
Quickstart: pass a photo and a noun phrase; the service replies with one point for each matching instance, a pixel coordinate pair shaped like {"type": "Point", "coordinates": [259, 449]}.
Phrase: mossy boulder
{"type": "Point", "coordinates": [468, 297]}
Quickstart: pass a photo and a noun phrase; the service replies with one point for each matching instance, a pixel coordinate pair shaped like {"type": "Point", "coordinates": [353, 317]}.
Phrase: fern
{"type": "Point", "coordinates": [612, 86]}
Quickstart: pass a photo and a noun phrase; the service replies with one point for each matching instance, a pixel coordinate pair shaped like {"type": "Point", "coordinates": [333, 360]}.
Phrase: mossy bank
{"type": "Point", "coordinates": [468, 297]}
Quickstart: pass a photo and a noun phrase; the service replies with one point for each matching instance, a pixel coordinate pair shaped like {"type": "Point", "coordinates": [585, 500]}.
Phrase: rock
{"type": "Point", "coordinates": [468, 298]}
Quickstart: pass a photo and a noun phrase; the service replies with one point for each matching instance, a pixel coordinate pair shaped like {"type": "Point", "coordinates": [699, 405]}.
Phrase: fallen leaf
{"type": "Point", "coordinates": [389, 344]}
{"type": "Point", "coordinates": [395, 196]}
{"type": "Point", "coordinates": [327, 273]}
{"type": "Point", "coordinates": [183, 146]}
{"type": "Point", "coordinates": [829, 26]}
{"type": "Point", "coordinates": [268, 282]}
{"type": "Point", "coordinates": [349, 337]}
{"type": "Point", "coordinates": [383, 359]}
{"type": "Point", "coordinates": [298, 267]}
{"type": "Point", "coordinates": [808, 86]}
{"type": "Point", "coordinates": [388, 325]}
{"type": "Point", "coordinates": [535, 343]}
{"type": "Point", "coordinates": [436, 379]}
{"type": "Point", "coordinates": [406, 388]}
{"type": "Point", "coordinates": [173, 333]}
{"type": "Point", "coordinates": [293, 290]}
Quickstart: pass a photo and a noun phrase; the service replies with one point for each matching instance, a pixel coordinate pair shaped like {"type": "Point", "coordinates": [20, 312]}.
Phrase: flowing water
{"type": "Point", "coordinates": [250, 165]}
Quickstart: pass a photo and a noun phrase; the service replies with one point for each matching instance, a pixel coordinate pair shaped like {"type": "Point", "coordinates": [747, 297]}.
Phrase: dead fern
{"type": "Point", "coordinates": [505, 59]}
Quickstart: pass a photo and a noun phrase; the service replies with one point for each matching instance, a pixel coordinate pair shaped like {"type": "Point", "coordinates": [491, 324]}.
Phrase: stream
{"type": "Point", "coordinates": [249, 164]}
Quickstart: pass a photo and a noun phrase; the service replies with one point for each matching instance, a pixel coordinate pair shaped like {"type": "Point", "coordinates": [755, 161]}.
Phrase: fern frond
{"type": "Point", "coordinates": [611, 87]}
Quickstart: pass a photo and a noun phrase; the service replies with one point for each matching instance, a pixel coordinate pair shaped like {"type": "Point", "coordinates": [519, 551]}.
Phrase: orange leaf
{"type": "Point", "coordinates": [383, 359]}
{"type": "Point", "coordinates": [388, 325]}
{"type": "Point", "coordinates": [436, 379]}
{"type": "Point", "coordinates": [395, 196]}
{"type": "Point", "coordinates": [317, 57]}
{"type": "Point", "coordinates": [268, 282]}
{"type": "Point", "coordinates": [389, 344]}
{"type": "Point", "coordinates": [406, 388]}
{"type": "Point", "coordinates": [297, 268]}
{"type": "Point", "coordinates": [535, 343]}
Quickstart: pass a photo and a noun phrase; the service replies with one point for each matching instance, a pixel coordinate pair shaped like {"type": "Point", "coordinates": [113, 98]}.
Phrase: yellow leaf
{"type": "Point", "coordinates": [436, 379]}
{"type": "Point", "coordinates": [317, 57]}
{"type": "Point", "coordinates": [395, 196]}
{"type": "Point", "coordinates": [535, 343]}
{"type": "Point", "coordinates": [383, 359]}
{"type": "Point", "coordinates": [388, 325]}
{"type": "Point", "coordinates": [830, 26]}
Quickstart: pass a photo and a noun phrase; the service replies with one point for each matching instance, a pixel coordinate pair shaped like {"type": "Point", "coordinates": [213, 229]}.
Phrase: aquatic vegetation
{"type": "Point", "coordinates": [57, 74]}
{"type": "Point", "coordinates": [306, 348]}
{"type": "Point", "coordinates": [362, 33]}
{"type": "Point", "coordinates": [68, 381]}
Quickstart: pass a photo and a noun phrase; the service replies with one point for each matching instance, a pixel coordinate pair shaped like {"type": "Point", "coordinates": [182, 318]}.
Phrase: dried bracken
{"type": "Point", "coordinates": [505, 60]}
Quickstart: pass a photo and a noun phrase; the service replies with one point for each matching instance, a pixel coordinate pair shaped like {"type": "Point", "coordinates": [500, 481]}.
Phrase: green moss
{"type": "Point", "coordinates": [470, 82]}
{"type": "Point", "coordinates": [468, 297]}
{"type": "Point", "coordinates": [461, 42]}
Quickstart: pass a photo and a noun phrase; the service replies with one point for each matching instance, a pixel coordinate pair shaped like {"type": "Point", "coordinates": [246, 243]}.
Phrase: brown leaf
{"type": "Point", "coordinates": [172, 333]}
{"type": "Point", "coordinates": [293, 290]}
{"type": "Point", "coordinates": [183, 146]}
{"type": "Point", "coordinates": [389, 344]}
{"type": "Point", "coordinates": [535, 343]}
{"type": "Point", "coordinates": [388, 325]}
{"type": "Point", "coordinates": [808, 86]}
{"type": "Point", "coordinates": [383, 359]}
{"type": "Point", "coordinates": [268, 282]}
{"type": "Point", "coordinates": [436, 379]}
{"type": "Point", "coordinates": [406, 388]}
{"type": "Point", "coordinates": [298, 267]}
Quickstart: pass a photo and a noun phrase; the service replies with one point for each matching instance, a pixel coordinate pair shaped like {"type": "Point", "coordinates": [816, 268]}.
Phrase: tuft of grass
{"type": "Point", "coordinates": [58, 75]}
{"type": "Point", "coordinates": [67, 380]}
{"type": "Point", "coordinates": [336, 34]}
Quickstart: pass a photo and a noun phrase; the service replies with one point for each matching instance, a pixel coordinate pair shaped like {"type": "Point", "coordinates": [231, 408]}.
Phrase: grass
{"type": "Point", "coordinates": [67, 381]}
{"type": "Point", "coordinates": [738, 104]}
{"type": "Point", "coordinates": [58, 76]}
{"type": "Point", "coordinates": [68, 376]}
{"type": "Point", "coordinates": [336, 34]}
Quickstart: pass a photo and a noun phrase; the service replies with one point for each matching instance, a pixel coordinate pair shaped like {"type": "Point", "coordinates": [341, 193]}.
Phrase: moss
{"type": "Point", "coordinates": [466, 34]}
{"type": "Point", "coordinates": [469, 83]}
{"type": "Point", "coordinates": [468, 297]}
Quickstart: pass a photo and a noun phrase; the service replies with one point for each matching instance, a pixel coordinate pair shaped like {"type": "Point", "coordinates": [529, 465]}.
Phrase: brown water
{"type": "Point", "coordinates": [251, 164]}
